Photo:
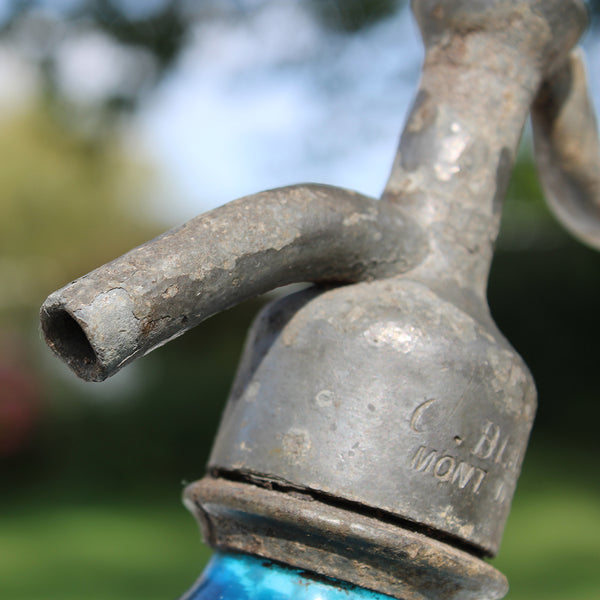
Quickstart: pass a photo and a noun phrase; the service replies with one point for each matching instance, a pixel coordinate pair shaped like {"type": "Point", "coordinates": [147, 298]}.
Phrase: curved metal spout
{"type": "Point", "coordinates": [157, 291]}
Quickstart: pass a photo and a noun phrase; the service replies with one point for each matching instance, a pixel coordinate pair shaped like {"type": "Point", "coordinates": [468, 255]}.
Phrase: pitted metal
{"type": "Point", "coordinates": [412, 406]}
{"type": "Point", "coordinates": [159, 290]}
{"type": "Point", "coordinates": [384, 398]}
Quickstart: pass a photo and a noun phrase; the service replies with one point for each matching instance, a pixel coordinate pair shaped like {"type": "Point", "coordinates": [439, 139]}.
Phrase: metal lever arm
{"type": "Point", "coordinates": [157, 291]}
{"type": "Point", "coordinates": [567, 150]}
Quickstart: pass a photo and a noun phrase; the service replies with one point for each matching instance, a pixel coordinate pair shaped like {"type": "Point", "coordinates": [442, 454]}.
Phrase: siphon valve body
{"type": "Point", "coordinates": [378, 421]}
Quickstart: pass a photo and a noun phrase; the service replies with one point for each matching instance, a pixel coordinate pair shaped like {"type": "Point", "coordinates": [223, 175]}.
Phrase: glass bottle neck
{"type": "Point", "coordinates": [245, 577]}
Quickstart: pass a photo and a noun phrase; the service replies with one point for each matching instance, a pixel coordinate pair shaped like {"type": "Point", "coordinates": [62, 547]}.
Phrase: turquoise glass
{"type": "Point", "coordinates": [243, 577]}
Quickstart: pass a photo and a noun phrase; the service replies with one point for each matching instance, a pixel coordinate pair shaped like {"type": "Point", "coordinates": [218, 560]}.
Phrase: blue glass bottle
{"type": "Point", "coordinates": [244, 577]}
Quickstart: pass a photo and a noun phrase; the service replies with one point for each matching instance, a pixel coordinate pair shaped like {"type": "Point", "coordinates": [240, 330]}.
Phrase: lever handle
{"type": "Point", "coordinates": [154, 293]}
{"type": "Point", "coordinates": [567, 149]}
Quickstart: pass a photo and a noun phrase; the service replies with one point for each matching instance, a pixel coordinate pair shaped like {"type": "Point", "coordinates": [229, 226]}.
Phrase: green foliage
{"type": "Point", "coordinates": [551, 545]}
{"type": "Point", "coordinates": [543, 292]}
{"type": "Point", "coordinates": [162, 31]}
{"type": "Point", "coordinates": [99, 552]}
{"type": "Point", "coordinates": [67, 204]}
{"type": "Point", "coordinates": [353, 15]}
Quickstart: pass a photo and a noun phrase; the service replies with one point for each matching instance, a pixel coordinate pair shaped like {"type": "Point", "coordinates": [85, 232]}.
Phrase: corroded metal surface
{"type": "Point", "coordinates": [377, 425]}
{"type": "Point", "coordinates": [410, 406]}
{"type": "Point", "coordinates": [158, 291]}
{"type": "Point", "coordinates": [309, 533]}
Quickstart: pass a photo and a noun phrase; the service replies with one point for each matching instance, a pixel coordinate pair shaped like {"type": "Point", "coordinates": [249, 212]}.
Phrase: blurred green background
{"type": "Point", "coordinates": [91, 476]}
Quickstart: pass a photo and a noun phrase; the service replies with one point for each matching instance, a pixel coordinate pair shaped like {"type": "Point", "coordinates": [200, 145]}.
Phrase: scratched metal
{"type": "Point", "coordinates": [384, 396]}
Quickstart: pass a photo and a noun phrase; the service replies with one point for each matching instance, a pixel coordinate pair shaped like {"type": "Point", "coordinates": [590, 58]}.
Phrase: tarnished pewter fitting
{"type": "Point", "coordinates": [377, 424]}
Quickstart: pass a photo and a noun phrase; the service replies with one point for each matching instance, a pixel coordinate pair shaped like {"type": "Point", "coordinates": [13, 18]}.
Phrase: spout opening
{"type": "Point", "coordinates": [68, 339]}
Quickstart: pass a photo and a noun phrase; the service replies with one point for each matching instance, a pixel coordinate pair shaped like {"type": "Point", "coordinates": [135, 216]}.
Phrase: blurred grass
{"type": "Point", "coordinates": [551, 545]}
{"type": "Point", "coordinates": [98, 552]}
{"type": "Point", "coordinates": [127, 550]}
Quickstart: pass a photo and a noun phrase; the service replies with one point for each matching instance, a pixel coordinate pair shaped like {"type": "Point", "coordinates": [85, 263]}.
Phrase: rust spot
{"type": "Point", "coordinates": [170, 292]}
{"type": "Point", "coordinates": [147, 326]}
